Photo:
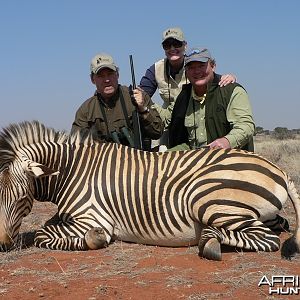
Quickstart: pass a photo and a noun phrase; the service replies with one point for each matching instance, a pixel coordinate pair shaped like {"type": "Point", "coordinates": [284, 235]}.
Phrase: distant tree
{"type": "Point", "coordinates": [282, 133]}
{"type": "Point", "coordinates": [258, 130]}
{"type": "Point", "coordinates": [296, 131]}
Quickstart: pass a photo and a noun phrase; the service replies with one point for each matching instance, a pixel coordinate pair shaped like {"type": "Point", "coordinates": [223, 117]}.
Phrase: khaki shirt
{"type": "Point", "coordinates": [168, 88]}
{"type": "Point", "coordinates": [89, 116]}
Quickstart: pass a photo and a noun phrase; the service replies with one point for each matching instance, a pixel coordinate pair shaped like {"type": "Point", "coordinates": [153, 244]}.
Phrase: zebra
{"type": "Point", "coordinates": [106, 192]}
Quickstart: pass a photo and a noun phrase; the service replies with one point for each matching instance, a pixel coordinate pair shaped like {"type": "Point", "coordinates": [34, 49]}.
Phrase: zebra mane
{"type": "Point", "coordinates": [18, 135]}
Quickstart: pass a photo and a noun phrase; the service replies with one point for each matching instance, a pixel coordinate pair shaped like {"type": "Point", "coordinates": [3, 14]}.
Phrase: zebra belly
{"type": "Point", "coordinates": [189, 236]}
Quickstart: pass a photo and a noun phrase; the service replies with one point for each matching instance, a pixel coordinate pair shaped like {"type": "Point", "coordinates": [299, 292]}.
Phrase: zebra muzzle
{"type": "Point", "coordinates": [6, 242]}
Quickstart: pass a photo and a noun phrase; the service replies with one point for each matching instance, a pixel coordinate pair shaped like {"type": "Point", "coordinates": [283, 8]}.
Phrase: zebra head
{"type": "Point", "coordinates": [18, 173]}
{"type": "Point", "coordinates": [16, 197]}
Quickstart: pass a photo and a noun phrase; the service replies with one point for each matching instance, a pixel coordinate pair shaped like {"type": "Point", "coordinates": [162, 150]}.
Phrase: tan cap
{"type": "Point", "coordinates": [174, 33]}
{"type": "Point", "coordinates": [101, 61]}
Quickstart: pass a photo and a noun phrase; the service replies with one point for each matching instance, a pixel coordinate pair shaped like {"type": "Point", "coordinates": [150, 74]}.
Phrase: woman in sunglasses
{"type": "Point", "coordinates": [168, 75]}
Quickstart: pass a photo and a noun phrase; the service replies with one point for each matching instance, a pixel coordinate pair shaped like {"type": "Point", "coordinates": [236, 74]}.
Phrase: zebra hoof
{"type": "Point", "coordinates": [210, 249]}
{"type": "Point", "coordinates": [290, 248]}
{"type": "Point", "coordinates": [95, 238]}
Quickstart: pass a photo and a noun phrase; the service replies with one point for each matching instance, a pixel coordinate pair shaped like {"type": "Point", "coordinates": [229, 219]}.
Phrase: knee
{"type": "Point", "coordinates": [95, 238]}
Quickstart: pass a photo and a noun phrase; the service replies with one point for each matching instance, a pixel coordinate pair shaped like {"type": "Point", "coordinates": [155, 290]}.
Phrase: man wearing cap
{"type": "Point", "coordinates": [168, 75]}
{"type": "Point", "coordinates": [207, 114]}
{"type": "Point", "coordinates": [108, 114]}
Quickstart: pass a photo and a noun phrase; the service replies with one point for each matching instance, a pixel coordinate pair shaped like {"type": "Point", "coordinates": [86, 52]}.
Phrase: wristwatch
{"type": "Point", "coordinates": [145, 111]}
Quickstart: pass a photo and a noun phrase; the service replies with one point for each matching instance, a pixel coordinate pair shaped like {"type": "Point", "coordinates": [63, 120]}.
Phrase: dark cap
{"type": "Point", "coordinates": [197, 54]}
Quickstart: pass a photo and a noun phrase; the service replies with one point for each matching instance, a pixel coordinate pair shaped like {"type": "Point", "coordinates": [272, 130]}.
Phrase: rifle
{"type": "Point", "coordinates": [137, 134]}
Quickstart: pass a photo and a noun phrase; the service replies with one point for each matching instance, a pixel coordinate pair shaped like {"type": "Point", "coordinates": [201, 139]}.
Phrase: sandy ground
{"type": "Point", "coordinates": [130, 271]}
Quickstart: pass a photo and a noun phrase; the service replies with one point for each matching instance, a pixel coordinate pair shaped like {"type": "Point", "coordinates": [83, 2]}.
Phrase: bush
{"type": "Point", "coordinates": [282, 133]}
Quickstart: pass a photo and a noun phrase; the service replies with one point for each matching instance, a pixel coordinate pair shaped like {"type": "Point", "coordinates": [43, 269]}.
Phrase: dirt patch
{"type": "Point", "coordinates": [130, 271]}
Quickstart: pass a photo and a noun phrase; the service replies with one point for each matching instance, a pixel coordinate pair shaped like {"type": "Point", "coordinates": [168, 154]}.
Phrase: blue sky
{"type": "Point", "coordinates": [46, 48]}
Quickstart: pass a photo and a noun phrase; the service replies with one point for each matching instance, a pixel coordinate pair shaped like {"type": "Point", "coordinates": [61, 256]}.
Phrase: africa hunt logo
{"type": "Point", "coordinates": [281, 284]}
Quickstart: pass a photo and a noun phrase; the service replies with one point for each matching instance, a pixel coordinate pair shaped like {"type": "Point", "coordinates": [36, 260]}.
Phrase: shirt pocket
{"type": "Point", "coordinates": [189, 122]}
{"type": "Point", "coordinates": [191, 127]}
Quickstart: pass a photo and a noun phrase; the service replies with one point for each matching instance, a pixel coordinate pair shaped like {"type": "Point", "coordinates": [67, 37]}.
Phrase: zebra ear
{"type": "Point", "coordinates": [38, 170]}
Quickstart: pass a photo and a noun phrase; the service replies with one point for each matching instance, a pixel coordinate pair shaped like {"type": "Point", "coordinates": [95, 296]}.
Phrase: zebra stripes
{"type": "Point", "coordinates": [109, 191]}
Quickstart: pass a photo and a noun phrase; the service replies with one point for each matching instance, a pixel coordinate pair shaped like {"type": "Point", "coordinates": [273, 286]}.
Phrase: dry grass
{"type": "Point", "coordinates": [284, 153]}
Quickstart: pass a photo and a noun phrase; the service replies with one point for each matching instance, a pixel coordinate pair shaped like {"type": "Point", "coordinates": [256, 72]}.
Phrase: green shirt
{"type": "Point", "coordinates": [238, 113]}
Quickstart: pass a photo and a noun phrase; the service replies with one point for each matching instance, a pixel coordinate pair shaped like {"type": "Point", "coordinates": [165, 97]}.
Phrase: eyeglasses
{"type": "Point", "coordinates": [169, 43]}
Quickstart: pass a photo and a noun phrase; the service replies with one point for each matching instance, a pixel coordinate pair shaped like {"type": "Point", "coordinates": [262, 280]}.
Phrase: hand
{"type": "Point", "coordinates": [139, 96]}
{"type": "Point", "coordinates": [220, 143]}
{"type": "Point", "coordinates": [227, 79]}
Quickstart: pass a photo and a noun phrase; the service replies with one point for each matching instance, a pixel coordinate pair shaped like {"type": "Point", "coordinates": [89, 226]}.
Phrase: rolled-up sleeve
{"type": "Point", "coordinates": [239, 115]}
{"type": "Point", "coordinates": [148, 82]}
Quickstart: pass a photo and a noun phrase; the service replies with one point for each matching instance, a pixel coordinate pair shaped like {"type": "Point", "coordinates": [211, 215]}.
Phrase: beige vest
{"type": "Point", "coordinates": [168, 91]}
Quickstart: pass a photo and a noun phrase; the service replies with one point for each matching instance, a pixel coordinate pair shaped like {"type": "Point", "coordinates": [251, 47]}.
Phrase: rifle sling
{"type": "Point", "coordinates": [124, 110]}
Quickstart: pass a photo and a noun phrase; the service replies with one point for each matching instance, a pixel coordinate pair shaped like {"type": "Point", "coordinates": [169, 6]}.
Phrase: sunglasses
{"type": "Point", "coordinates": [169, 43]}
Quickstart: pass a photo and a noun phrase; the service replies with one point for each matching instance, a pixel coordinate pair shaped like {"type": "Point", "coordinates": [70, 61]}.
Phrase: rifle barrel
{"type": "Point", "coordinates": [138, 141]}
{"type": "Point", "coordinates": [132, 72]}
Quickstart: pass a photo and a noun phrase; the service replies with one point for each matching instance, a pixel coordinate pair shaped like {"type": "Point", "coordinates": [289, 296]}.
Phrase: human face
{"type": "Point", "coordinates": [199, 73]}
{"type": "Point", "coordinates": [106, 81]}
{"type": "Point", "coordinates": [174, 49]}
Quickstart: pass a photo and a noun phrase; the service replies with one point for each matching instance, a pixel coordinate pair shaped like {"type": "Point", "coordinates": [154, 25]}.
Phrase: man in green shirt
{"type": "Point", "coordinates": [207, 114]}
{"type": "Point", "coordinates": [109, 113]}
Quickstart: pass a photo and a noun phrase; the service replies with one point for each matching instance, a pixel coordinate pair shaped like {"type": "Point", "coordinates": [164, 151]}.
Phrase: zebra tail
{"type": "Point", "coordinates": [292, 245]}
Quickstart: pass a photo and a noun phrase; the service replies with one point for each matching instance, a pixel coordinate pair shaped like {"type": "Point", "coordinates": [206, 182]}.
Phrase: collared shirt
{"type": "Point", "coordinates": [195, 120]}
{"type": "Point", "coordinates": [239, 115]}
{"type": "Point", "coordinates": [90, 117]}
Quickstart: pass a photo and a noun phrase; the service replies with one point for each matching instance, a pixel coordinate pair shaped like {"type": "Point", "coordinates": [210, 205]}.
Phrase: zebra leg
{"type": "Point", "coordinates": [210, 243]}
{"type": "Point", "coordinates": [54, 237]}
{"type": "Point", "coordinates": [70, 236]}
{"type": "Point", "coordinates": [278, 224]}
{"type": "Point", "coordinates": [250, 234]}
